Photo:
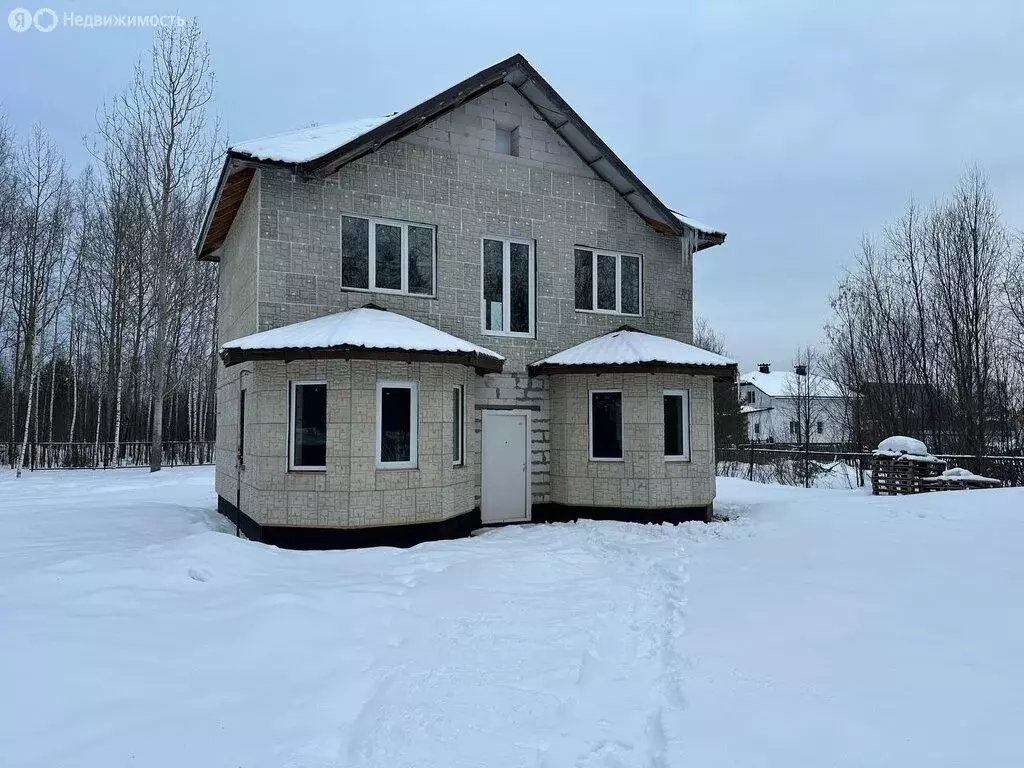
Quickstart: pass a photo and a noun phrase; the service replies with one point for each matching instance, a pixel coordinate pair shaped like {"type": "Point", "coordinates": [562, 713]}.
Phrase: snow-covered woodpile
{"type": "Point", "coordinates": [958, 479]}
{"type": "Point", "coordinates": [902, 465]}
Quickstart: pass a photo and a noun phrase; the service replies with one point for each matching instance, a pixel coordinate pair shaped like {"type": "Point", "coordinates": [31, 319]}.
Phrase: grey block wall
{"type": "Point", "coordinates": [238, 276]}
{"type": "Point", "coordinates": [353, 491]}
{"type": "Point", "coordinates": [643, 478]}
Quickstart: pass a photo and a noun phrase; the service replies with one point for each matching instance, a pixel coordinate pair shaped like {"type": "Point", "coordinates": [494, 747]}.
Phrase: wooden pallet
{"type": "Point", "coordinates": [902, 476]}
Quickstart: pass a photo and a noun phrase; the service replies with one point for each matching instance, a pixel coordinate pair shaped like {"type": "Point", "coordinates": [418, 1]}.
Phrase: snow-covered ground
{"type": "Point", "coordinates": [817, 627]}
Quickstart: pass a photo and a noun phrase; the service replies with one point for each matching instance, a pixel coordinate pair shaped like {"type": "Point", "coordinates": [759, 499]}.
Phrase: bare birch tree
{"type": "Point", "coordinates": [925, 327]}
{"type": "Point", "coordinates": [40, 256]}
{"type": "Point", "coordinates": [161, 124]}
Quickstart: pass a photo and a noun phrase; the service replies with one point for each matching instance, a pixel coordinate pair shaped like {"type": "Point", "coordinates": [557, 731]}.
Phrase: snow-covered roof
{"type": "Point", "coordinates": [745, 409]}
{"type": "Point", "coordinates": [364, 329]}
{"type": "Point", "coordinates": [789, 384]}
{"type": "Point", "coordinates": [699, 226]}
{"type": "Point", "coordinates": [627, 346]}
{"type": "Point", "coordinates": [308, 144]}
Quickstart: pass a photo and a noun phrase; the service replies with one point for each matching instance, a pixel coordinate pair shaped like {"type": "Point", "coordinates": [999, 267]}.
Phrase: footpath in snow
{"type": "Point", "coordinates": [818, 627]}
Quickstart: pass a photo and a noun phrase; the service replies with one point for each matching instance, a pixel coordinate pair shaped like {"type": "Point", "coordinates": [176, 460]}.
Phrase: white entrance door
{"type": "Point", "coordinates": [505, 496]}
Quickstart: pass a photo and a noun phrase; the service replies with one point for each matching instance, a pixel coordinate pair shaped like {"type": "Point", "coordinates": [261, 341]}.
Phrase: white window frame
{"type": "Point", "coordinates": [590, 425]}
{"type": "Point", "coordinates": [687, 421]}
{"type": "Point", "coordinates": [460, 425]}
{"type": "Point", "coordinates": [414, 419]}
{"type": "Point", "coordinates": [594, 253]}
{"type": "Point", "coordinates": [372, 255]}
{"type": "Point", "coordinates": [292, 466]}
{"type": "Point", "coordinates": [506, 288]}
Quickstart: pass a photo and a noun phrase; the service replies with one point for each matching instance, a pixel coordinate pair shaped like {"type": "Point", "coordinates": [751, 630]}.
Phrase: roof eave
{"type": "Point", "coordinates": [668, 219]}
{"type": "Point", "coordinates": [197, 247]}
{"type": "Point", "coordinates": [709, 240]}
{"type": "Point", "coordinates": [482, 363]}
{"type": "Point", "coordinates": [725, 373]}
{"type": "Point", "coordinates": [234, 163]}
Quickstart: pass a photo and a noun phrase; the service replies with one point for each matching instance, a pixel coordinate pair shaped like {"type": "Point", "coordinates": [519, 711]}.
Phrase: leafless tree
{"type": "Point", "coordinates": [160, 124]}
{"type": "Point", "coordinates": [811, 397]}
{"type": "Point", "coordinates": [41, 259]}
{"type": "Point", "coordinates": [106, 319]}
{"type": "Point", "coordinates": [925, 327]}
{"type": "Point", "coordinates": [730, 427]}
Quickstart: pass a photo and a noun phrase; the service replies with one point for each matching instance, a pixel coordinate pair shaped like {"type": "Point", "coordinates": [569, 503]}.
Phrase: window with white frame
{"type": "Point", "coordinates": [608, 282]}
{"type": "Point", "coordinates": [458, 425]}
{"type": "Point", "coordinates": [508, 287]}
{"type": "Point", "coordinates": [677, 424]}
{"type": "Point", "coordinates": [397, 424]}
{"type": "Point", "coordinates": [387, 255]}
{"type": "Point", "coordinates": [605, 425]}
{"type": "Point", "coordinates": [750, 396]}
{"type": "Point", "coordinates": [307, 425]}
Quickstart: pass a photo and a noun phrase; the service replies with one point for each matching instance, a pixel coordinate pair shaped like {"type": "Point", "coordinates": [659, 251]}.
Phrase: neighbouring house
{"type": "Point", "coordinates": [794, 407]}
{"type": "Point", "coordinates": [468, 313]}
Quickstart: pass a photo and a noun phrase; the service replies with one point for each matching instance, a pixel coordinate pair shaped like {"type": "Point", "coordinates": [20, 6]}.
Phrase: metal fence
{"type": "Point", "coordinates": [796, 466]}
{"type": "Point", "coordinates": [102, 455]}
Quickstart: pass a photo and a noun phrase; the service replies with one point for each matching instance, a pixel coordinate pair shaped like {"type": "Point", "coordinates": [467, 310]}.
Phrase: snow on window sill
{"type": "Point", "coordinates": [508, 334]}
{"type": "Point", "coordinates": [389, 291]}
{"type": "Point", "coordinates": [607, 312]}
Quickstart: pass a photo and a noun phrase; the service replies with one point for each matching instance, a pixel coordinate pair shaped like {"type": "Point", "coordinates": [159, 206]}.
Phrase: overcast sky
{"type": "Point", "coordinates": [795, 126]}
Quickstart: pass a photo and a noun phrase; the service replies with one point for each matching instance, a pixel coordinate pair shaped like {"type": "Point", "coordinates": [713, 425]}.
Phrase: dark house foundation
{"type": "Point", "coordinates": [411, 534]}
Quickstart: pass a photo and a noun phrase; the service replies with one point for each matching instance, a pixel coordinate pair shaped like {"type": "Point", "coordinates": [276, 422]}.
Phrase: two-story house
{"type": "Point", "coordinates": [794, 407]}
{"type": "Point", "coordinates": [468, 313]}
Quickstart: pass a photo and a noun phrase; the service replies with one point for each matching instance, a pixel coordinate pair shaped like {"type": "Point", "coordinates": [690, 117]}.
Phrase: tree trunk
{"type": "Point", "coordinates": [156, 450]}
{"type": "Point", "coordinates": [30, 362]}
{"type": "Point", "coordinates": [74, 387]}
{"type": "Point", "coordinates": [53, 384]}
{"type": "Point", "coordinates": [117, 420]}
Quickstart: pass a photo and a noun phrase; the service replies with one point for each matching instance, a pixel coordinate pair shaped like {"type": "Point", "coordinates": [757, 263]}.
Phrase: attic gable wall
{"type": "Point", "coordinates": [470, 130]}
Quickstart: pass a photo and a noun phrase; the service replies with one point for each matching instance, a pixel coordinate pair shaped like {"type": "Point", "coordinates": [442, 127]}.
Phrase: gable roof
{"type": "Point", "coordinates": [627, 349]}
{"type": "Point", "coordinates": [322, 150]}
{"type": "Point", "coordinates": [786, 384]}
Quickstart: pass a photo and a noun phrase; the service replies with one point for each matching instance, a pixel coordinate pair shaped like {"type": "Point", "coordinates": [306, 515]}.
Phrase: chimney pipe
{"type": "Point", "coordinates": [764, 367]}
{"type": "Point", "coordinates": [800, 370]}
